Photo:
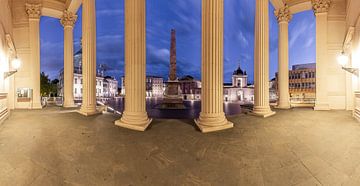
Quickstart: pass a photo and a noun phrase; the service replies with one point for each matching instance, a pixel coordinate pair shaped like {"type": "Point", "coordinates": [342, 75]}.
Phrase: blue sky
{"type": "Point", "coordinates": [185, 17]}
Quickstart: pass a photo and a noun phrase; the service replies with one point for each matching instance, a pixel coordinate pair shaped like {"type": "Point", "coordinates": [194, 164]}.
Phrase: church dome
{"type": "Point", "coordinates": [239, 71]}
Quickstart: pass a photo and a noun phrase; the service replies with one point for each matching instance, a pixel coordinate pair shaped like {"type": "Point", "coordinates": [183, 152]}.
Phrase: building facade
{"type": "Point", "coordinates": [302, 84]}
{"type": "Point", "coordinates": [106, 86]}
{"type": "Point", "coordinates": [190, 88]}
{"type": "Point", "coordinates": [154, 86]}
{"type": "Point", "coordinates": [239, 90]}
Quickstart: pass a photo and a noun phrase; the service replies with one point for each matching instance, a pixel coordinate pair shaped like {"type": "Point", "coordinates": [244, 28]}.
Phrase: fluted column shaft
{"type": "Point", "coordinates": [134, 116]}
{"type": "Point", "coordinates": [261, 66]}
{"type": "Point", "coordinates": [34, 13]}
{"type": "Point", "coordinates": [212, 117]}
{"type": "Point", "coordinates": [283, 16]}
{"type": "Point", "coordinates": [321, 8]}
{"type": "Point", "coordinates": [68, 21]}
{"type": "Point", "coordinates": [89, 58]}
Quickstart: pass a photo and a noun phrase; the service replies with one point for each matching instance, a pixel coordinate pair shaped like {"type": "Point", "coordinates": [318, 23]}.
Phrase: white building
{"type": "Point", "coordinates": [154, 86]}
{"type": "Point", "coordinates": [239, 90]}
{"type": "Point", "coordinates": [105, 86]}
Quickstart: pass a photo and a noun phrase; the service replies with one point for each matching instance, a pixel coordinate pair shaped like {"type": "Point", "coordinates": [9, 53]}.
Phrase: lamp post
{"type": "Point", "coordinates": [343, 59]}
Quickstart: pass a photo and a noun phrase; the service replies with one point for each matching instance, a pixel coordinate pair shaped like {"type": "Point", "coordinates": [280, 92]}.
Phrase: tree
{"type": "Point", "coordinates": [48, 87]}
{"type": "Point", "coordinates": [54, 87]}
{"type": "Point", "coordinates": [45, 87]}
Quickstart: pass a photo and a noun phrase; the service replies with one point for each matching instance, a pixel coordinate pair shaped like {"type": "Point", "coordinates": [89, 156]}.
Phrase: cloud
{"type": "Point", "coordinates": [309, 42]}
{"type": "Point", "coordinates": [110, 12]}
{"type": "Point", "coordinates": [242, 39]}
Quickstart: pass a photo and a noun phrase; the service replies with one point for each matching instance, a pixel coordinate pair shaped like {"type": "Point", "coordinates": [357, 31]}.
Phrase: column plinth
{"type": "Point", "coordinates": [135, 116]}
{"type": "Point", "coordinates": [212, 117]}
{"type": "Point", "coordinates": [34, 13]}
{"type": "Point", "coordinates": [283, 16]}
{"type": "Point", "coordinates": [68, 20]}
{"type": "Point", "coordinates": [88, 106]}
{"type": "Point", "coordinates": [321, 8]}
{"type": "Point", "coordinates": [261, 66]}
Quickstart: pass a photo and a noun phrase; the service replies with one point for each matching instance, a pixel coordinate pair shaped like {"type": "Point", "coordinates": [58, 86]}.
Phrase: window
{"type": "Point", "coordinates": [75, 80]}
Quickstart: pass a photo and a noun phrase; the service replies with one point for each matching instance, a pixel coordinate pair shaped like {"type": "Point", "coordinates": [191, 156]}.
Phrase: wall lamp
{"type": "Point", "coordinates": [15, 63]}
{"type": "Point", "coordinates": [343, 59]}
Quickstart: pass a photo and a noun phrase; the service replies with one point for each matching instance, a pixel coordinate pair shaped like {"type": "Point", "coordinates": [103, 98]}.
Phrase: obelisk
{"type": "Point", "coordinates": [172, 88]}
{"type": "Point", "coordinates": [172, 98]}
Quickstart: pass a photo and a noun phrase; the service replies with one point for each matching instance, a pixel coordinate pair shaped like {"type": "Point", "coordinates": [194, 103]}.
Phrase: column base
{"type": "Point", "coordinates": [285, 107]}
{"type": "Point", "coordinates": [262, 112]}
{"type": "Point", "coordinates": [36, 106]}
{"type": "Point", "coordinates": [70, 106]}
{"type": "Point", "coordinates": [88, 112]}
{"type": "Point", "coordinates": [134, 121]}
{"type": "Point", "coordinates": [213, 123]}
{"type": "Point", "coordinates": [321, 106]}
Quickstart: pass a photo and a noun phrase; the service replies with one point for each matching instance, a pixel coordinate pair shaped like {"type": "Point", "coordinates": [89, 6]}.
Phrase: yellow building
{"type": "Point", "coordinates": [302, 85]}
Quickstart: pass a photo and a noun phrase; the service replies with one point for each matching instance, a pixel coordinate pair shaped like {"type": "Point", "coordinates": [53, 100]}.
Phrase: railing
{"type": "Point", "coordinates": [356, 112]}
{"type": "Point", "coordinates": [4, 110]}
{"type": "Point", "coordinates": [51, 101]}
{"type": "Point", "coordinates": [107, 108]}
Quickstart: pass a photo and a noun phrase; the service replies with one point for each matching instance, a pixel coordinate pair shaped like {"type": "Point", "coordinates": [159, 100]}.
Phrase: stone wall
{"type": "Point", "coordinates": [5, 56]}
{"type": "Point", "coordinates": [336, 77]}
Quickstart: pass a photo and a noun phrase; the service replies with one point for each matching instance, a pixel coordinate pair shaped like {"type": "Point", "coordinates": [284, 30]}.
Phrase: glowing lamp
{"type": "Point", "coordinates": [343, 59]}
{"type": "Point", "coordinates": [16, 63]}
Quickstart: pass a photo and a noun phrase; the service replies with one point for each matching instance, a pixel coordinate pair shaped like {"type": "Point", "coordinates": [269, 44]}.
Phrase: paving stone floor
{"type": "Point", "coordinates": [295, 147]}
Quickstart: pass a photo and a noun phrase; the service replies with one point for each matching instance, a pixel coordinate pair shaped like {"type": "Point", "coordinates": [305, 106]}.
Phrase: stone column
{"type": "Point", "coordinates": [283, 16]}
{"type": "Point", "coordinates": [212, 117]}
{"type": "Point", "coordinates": [134, 116]}
{"type": "Point", "coordinates": [261, 66]}
{"type": "Point", "coordinates": [321, 8]}
{"type": "Point", "coordinates": [68, 20]}
{"type": "Point", "coordinates": [88, 106]}
{"type": "Point", "coordinates": [34, 13]}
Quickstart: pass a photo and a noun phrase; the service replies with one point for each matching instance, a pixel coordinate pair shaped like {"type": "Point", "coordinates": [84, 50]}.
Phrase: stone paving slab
{"type": "Point", "coordinates": [295, 147]}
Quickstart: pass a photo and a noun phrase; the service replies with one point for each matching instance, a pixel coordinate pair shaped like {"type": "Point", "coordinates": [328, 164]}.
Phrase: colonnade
{"type": "Point", "coordinates": [34, 14]}
{"type": "Point", "coordinates": [88, 59]}
{"type": "Point", "coordinates": [212, 117]}
{"type": "Point", "coordinates": [320, 8]}
{"type": "Point", "coordinates": [68, 21]}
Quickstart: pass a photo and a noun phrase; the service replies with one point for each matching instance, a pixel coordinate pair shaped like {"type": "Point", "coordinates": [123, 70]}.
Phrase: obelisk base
{"type": "Point", "coordinates": [172, 99]}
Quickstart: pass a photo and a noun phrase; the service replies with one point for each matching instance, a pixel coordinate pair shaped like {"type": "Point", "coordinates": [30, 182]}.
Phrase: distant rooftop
{"type": "Point", "coordinates": [239, 71]}
{"type": "Point", "coordinates": [304, 66]}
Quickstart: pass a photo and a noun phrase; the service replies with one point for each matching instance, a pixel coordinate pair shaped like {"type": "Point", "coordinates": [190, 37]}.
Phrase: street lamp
{"type": "Point", "coordinates": [343, 59]}
{"type": "Point", "coordinates": [15, 64]}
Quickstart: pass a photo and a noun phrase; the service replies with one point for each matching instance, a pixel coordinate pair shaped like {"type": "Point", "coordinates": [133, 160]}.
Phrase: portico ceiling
{"type": "Point", "coordinates": [55, 8]}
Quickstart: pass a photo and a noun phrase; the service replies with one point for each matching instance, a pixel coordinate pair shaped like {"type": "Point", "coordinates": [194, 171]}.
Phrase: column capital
{"type": "Point", "coordinates": [33, 10]}
{"type": "Point", "coordinates": [68, 19]}
{"type": "Point", "coordinates": [283, 14]}
{"type": "Point", "coordinates": [320, 6]}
